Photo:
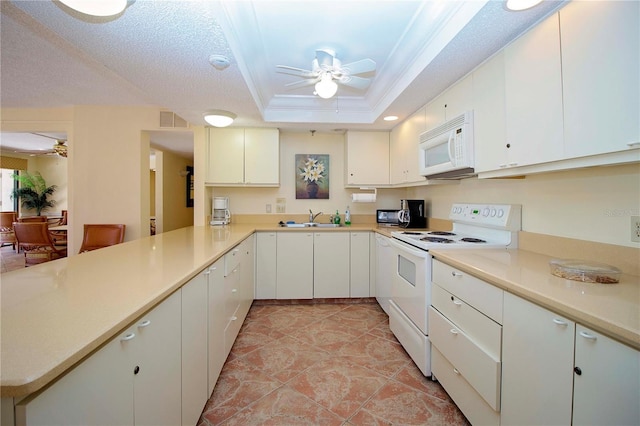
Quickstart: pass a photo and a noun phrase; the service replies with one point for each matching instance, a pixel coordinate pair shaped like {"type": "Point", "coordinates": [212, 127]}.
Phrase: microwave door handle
{"type": "Point", "coordinates": [451, 147]}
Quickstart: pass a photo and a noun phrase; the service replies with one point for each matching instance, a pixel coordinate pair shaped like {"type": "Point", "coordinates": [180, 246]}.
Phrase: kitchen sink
{"type": "Point", "coordinates": [309, 225]}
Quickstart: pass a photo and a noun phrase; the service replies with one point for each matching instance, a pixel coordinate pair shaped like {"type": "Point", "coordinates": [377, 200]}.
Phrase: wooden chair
{"type": "Point", "coordinates": [36, 242]}
{"type": "Point", "coordinates": [7, 235]}
{"type": "Point", "coordinates": [60, 237]}
{"type": "Point", "coordinates": [101, 235]}
{"type": "Point", "coordinates": [26, 219]}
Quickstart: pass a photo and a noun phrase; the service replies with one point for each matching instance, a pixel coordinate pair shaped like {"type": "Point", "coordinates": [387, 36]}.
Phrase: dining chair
{"type": "Point", "coordinates": [97, 236]}
{"type": "Point", "coordinates": [25, 219]}
{"type": "Point", "coordinates": [60, 237]}
{"type": "Point", "coordinates": [7, 235]}
{"type": "Point", "coordinates": [36, 242]}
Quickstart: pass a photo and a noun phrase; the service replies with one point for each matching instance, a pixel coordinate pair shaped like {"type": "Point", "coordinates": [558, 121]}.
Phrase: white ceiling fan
{"type": "Point", "coordinates": [328, 71]}
{"type": "Point", "coordinates": [59, 147]}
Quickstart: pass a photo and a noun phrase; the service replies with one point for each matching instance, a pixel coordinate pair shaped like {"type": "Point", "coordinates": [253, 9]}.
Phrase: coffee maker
{"type": "Point", "coordinates": [220, 212]}
{"type": "Point", "coordinates": [412, 214]}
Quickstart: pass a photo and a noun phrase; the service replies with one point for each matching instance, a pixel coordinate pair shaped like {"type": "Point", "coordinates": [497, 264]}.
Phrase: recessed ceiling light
{"type": "Point", "coordinates": [96, 7]}
{"type": "Point", "coordinates": [390, 118]}
{"type": "Point", "coordinates": [219, 62]}
{"type": "Point", "coordinates": [517, 5]}
{"type": "Point", "coordinates": [219, 118]}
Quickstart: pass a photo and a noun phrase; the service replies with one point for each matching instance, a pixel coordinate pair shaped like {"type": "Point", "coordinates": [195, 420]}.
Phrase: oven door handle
{"type": "Point", "coordinates": [423, 254]}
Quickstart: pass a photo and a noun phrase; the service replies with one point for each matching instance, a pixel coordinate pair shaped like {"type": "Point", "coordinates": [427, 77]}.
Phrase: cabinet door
{"type": "Point", "coordinates": [458, 98]}
{"type": "Point", "coordinates": [99, 391]}
{"type": "Point", "coordinates": [247, 275]}
{"type": "Point", "coordinates": [533, 89]}
{"type": "Point", "coordinates": [262, 156]}
{"type": "Point", "coordinates": [294, 265]}
{"type": "Point", "coordinates": [266, 259]}
{"type": "Point", "coordinates": [359, 273]}
{"type": "Point", "coordinates": [403, 154]}
{"type": "Point", "coordinates": [157, 354]}
{"type": "Point", "coordinates": [367, 156]}
{"type": "Point", "coordinates": [607, 390]}
{"type": "Point", "coordinates": [194, 348]}
{"type": "Point", "coordinates": [226, 156]}
{"type": "Point", "coordinates": [216, 322]}
{"type": "Point", "coordinates": [330, 264]}
{"type": "Point", "coordinates": [489, 126]}
{"type": "Point", "coordinates": [537, 365]}
{"type": "Point", "coordinates": [600, 69]}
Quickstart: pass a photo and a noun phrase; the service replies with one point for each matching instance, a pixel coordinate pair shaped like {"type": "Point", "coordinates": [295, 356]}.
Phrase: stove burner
{"type": "Point", "coordinates": [441, 233]}
{"type": "Point", "coordinates": [472, 240]}
{"type": "Point", "coordinates": [437, 240]}
{"type": "Point", "coordinates": [412, 233]}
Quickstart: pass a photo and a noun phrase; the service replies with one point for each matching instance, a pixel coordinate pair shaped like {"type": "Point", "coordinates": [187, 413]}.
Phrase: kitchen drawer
{"type": "Point", "coordinates": [477, 293]}
{"type": "Point", "coordinates": [232, 295]}
{"type": "Point", "coordinates": [231, 332]}
{"type": "Point", "coordinates": [411, 338]}
{"type": "Point", "coordinates": [485, 332]}
{"type": "Point", "coordinates": [479, 368]}
{"type": "Point", "coordinates": [466, 398]}
{"type": "Point", "coordinates": [232, 260]}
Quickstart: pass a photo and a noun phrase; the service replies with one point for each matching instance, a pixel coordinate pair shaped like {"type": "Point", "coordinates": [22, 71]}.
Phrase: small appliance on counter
{"type": "Point", "coordinates": [220, 212]}
{"type": "Point", "coordinates": [387, 217]}
{"type": "Point", "coordinates": [412, 214]}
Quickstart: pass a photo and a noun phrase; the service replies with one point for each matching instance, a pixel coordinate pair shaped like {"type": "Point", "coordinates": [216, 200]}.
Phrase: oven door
{"type": "Point", "coordinates": [411, 283]}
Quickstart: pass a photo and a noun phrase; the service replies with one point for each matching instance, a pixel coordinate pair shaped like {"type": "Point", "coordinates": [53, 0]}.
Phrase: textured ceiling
{"type": "Point", "coordinates": [156, 53]}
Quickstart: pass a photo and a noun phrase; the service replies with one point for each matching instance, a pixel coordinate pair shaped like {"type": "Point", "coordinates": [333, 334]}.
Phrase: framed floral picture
{"type": "Point", "coordinates": [312, 176]}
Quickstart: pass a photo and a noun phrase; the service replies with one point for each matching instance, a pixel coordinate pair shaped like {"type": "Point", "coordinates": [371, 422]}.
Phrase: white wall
{"type": "Point", "coordinates": [593, 204]}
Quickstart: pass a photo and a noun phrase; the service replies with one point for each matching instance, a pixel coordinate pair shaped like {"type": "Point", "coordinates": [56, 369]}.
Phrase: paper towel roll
{"type": "Point", "coordinates": [363, 198]}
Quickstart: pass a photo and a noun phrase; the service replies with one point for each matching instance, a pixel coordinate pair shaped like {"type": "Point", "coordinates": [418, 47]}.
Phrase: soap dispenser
{"type": "Point", "coordinates": [347, 217]}
{"type": "Point", "coordinates": [336, 219]}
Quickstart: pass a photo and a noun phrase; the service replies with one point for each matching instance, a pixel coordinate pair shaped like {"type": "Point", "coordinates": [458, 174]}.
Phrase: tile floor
{"type": "Point", "coordinates": [323, 364]}
{"type": "Point", "coordinates": [10, 260]}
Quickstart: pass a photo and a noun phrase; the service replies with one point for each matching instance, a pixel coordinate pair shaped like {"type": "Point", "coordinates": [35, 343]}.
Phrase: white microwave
{"type": "Point", "coordinates": [446, 152]}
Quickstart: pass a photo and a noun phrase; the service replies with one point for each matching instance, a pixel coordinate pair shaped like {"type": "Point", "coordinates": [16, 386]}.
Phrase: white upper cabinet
{"type": "Point", "coordinates": [451, 103]}
{"type": "Point", "coordinates": [403, 154]}
{"type": "Point", "coordinates": [489, 115]}
{"type": "Point", "coordinates": [533, 96]}
{"type": "Point", "coordinates": [367, 158]}
{"type": "Point", "coordinates": [600, 76]}
{"type": "Point", "coordinates": [248, 157]}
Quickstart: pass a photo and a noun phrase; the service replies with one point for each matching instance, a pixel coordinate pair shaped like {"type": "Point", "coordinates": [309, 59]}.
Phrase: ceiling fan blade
{"type": "Point", "coordinates": [301, 83]}
{"type": "Point", "coordinates": [359, 67]}
{"type": "Point", "coordinates": [325, 58]}
{"type": "Point", "coordinates": [355, 82]}
{"type": "Point", "coordinates": [296, 71]}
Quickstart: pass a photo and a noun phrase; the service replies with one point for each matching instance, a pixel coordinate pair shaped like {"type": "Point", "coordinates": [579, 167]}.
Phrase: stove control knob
{"type": "Point", "coordinates": [493, 212]}
{"type": "Point", "coordinates": [485, 212]}
{"type": "Point", "coordinates": [500, 213]}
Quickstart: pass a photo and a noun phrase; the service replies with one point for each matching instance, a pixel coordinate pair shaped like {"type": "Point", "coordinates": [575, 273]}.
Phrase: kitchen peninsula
{"type": "Point", "coordinates": [58, 315]}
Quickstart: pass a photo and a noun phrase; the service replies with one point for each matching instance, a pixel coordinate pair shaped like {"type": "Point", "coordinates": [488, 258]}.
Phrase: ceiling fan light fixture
{"type": "Point", "coordinates": [326, 87]}
{"type": "Point", "coordinates": [517, 5]}
{"type": "Point", "coordinates": [96, 7]}
{"type": "Point", "coordinates": [219, 118]}
{"type": "Point", "coordinates": [60, 148]}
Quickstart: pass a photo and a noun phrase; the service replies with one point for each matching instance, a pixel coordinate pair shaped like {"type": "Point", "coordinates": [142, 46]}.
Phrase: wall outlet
{"type": "Point", "coordinates": [268, 208]}
{"type": "Point", "coordinates": [635, 229]}
{"type": "Point", "coordinates": [281, 204]}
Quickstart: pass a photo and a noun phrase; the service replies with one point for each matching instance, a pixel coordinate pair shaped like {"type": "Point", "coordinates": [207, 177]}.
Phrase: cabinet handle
{"type": "Point", "coordinates": [578, 371]}
{"type": "Point", "coordinates": [235, 290]}
{"type": "Point", "coordinates": [456, 274]}
{"type": "Point", "coordinates": [144, 323]}
{"type": "Point", "coordinates": [454, 331]}
{"type": "Point", "coordinates": [456, 302]}
{"type": "Point", "coordinates": [207, 272]}
{"type": "Point", "coordinates": [234, 318]}
{"type": "Point", "coordinates": [633, 144]}
{"type": "Point", "coordinates": [588, 335]}
{"type": "Point", "coordinates": [455, 370]}
{"type": "Point", "coordinates": [128, 336]}
{"type": "Point", "coordinates": [560, 322]}
{"type": "Point", "coordinates": [502, 166]}
{"type": "Point", "coordinates": [513, 164]}
{"type": "Point", "coordinates": [213, 268]}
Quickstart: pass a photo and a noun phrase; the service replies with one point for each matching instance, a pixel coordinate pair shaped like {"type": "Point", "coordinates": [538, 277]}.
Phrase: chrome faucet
{"type": "Point", "coordinates": [312, 216]}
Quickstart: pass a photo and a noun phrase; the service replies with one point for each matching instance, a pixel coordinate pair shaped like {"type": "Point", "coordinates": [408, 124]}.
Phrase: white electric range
{"type": "Point", "coordinates": [474, 226]}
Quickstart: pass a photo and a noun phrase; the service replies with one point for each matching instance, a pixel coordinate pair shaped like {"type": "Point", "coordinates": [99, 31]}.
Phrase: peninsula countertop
{"type": "Point", "coordinates": [611, 309]}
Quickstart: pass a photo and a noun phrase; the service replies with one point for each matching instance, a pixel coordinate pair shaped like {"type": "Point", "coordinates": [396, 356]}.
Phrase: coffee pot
{"type": "Point", "coordinates": [404, 215]}
{"type": "Point", "coordinates": [412, 214]}
{"type": "Point", "coordinates": [220, 212]}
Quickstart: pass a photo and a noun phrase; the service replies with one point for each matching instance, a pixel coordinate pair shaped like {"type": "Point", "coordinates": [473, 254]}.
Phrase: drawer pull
{"type": "Point", "coordinates": [144, 323]}
{"type": "Point", "coordinates": [560, 322]}
{"type": "Point", "coordinates": [456, 274]}
{"type": "Point", "coordinates": [235, 290]}
{"type": "Point", "coordinates": [456, 302]}
{"type": "Point", "coordinates": [234, 318]}
{"type": "Point", "coordinates": [454, 331]}
{"type": "Point", "coordinates": [588, 335]}
{"type": "Point", "coordinates": [455, 370]}
{"type": "Point", "coordinates": [128, 336]}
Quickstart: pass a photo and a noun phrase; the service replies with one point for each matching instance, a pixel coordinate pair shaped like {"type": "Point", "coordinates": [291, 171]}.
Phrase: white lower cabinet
{"type": "Point", "coordinates": [558, 372]}
{"type": "Point", "coordinates": [294, 265]}
{"type": "Point", "coordinates": [331, 265]}
{"type": "Point", "coordinates": [359, 267]}
{"type": "Point", "coordinates": [266, 258]}
{"type": "Point", "coordinates": [606, 381]}
{"type": "Point", "coordinates": [133, 379]}
{"type": "Point", "coordinates": [216, 322]}
{"type": "Point", "coordinates": [194, 348]}
{"type": "Point", "coordinates": [537, 364]}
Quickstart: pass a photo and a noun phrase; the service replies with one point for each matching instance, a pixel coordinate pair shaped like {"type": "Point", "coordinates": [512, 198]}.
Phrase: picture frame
{"type": "Point", "coordinates": [312, 176]}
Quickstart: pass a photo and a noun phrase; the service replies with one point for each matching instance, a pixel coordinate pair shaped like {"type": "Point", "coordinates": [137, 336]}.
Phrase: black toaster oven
{"type": "Point", "coordinates": [387, 217]}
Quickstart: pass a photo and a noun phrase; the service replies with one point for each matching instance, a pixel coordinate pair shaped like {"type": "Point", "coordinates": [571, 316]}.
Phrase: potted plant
{"type": "Point", "coordinates": [33, 192]}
